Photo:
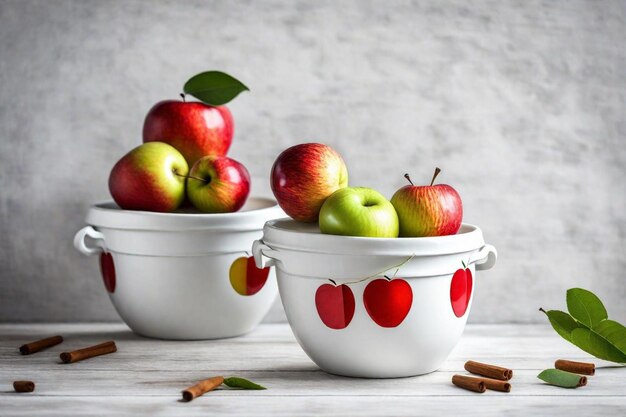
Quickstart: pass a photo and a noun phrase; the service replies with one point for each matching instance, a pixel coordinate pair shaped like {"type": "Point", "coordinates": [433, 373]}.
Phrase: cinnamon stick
{"type": "Point", "coordinates": [202, 387]}
{"type": "Point", "coordinates": [581, 368]}
{"type": "Point", "coordinates": [38, 345]}
{"type": "Point", "coordinates": [23, 386]}
{"type": "Point", "coordinates": [89, 352]}
{"type": "Point", "coordinates": [490, 371]}
{"type": "Point", "coordinates": [469, 383]}
{"type": "Point", "coordinates": [496, 385]}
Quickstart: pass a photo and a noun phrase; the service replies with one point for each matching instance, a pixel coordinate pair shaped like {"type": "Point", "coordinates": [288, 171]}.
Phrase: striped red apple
{"type": "Point", "coordinates": [303, 176]}
{"type": "Point", "coordinates": [150, 177]}
{"type": "Point", "coordinates": [195, 129]}
{"type": "Point", "coordinates": [429, 210]}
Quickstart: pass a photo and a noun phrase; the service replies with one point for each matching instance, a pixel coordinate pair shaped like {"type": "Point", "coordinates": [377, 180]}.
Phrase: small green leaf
{"type": "Point", "coordinates": [214, 87]}
{"type": "Point", "coordinates": [562, 378]}
{"type": "Point", "coordinates": [562, 322]}
{"type": "Point", "coordinates": [236, 382]}
{"type": "Point", "coordinates": [585, 307]}
{"type": "Point", "coordinates": [597, 346]}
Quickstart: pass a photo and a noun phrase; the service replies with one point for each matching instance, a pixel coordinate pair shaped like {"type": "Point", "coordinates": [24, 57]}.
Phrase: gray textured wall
{"type": "Point", "coordinates": [523, 104]}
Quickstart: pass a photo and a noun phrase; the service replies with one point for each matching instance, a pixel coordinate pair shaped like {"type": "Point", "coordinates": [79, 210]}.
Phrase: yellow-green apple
{"type": "Point", "coordinates": [150, 177]}
{"type": "Point", "coordinates": [195, 129]}
{"type": "Point", "coordinates": [303, 176]}
{"type": "Point", "coordinates": [358, 211]}
{"type": "Point", "coordinates": [218, 184]}
{"type": "Point", "coordinates": [428, 210]}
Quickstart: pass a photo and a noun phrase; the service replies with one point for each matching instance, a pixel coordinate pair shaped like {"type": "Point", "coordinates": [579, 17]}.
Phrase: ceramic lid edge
{"type": "Point", "coordinates": [307, 238]}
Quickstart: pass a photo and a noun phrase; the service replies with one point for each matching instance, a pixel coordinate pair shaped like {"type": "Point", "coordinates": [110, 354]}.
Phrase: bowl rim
{"type": "Point", "coordinates": [107, 214]}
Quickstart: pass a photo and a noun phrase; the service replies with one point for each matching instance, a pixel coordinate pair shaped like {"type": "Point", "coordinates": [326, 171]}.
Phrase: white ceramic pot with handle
{"type": "Point", "coordinates": [370, 307]}
{"type": "Point", "coordinates": [182, 275]}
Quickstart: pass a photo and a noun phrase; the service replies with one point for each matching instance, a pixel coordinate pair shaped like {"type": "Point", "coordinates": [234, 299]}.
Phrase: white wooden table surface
{"type": "Point", "coordinates": [145, 377]}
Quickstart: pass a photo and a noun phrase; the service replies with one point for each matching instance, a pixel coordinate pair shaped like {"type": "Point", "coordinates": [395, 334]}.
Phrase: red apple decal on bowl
{"type": "Point", "coordinates": [150, 177]}
{"type": "Point", "coordinates": [335, 305]}
{"type": "Point", "coordinates": [461, 290]}
{"type": "Point", "coordinates": [107, 269]}
{"type": "Point", "coordinates": [246, 278]}
{"type": "Point", "coordinates": [218, 184]}
{"type": "Point", "coordinates": [429, 210]}
{"type": "Point", "coordinates": [201, 128]}
{"type": "Point", "coordinates": [303, 176]}
{"type": "Point", "coordinates": [388, 301]}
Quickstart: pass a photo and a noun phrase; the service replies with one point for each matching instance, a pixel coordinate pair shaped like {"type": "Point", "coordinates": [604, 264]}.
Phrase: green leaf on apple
{"type": "Point", "coordinates": [214, 87]}
{"type": "Point", "coordinates": [588, 327]}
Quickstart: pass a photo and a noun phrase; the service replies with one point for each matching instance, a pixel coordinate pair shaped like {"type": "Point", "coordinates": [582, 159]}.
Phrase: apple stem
{"type": "Point", "coordinates": [408, 178]}
{"type": "Point", "coordinates": [437, 171]}
{"type": "Point", "coordinates": [195, 178]}
{"type": "Point", "coordinates": [333, 281]}
{"type": "Point", "coordinates": [388, 279]}
{"type": "Point", "coordinates": [183, 97]}
{"type": "Point", "coordinates": [542, 310]}
{"type": "Point", "coordinates": [463, 263]}
{"type": "Point", "coordinates": [188, 176]}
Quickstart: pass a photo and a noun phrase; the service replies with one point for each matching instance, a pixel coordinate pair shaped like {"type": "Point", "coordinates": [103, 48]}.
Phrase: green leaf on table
{"type": "Point", "coordinates": [585, 307]}
{"type": "Point", "coordinates": [236, 382]}
{"type": "Point", "coordinates": [588, 327]}
{"type": "Point", "coordinates": [562, 322]}
{"type": "Point", "coordinates": [562, 378]}
{"type": "Point", "coordinates": [214, 87]}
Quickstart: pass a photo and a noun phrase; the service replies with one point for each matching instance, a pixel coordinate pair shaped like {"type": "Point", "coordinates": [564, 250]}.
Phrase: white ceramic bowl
{"type": "Point", "coordinates": [374, 327]}
{"type": "Point", "coordinates": [182, 275]}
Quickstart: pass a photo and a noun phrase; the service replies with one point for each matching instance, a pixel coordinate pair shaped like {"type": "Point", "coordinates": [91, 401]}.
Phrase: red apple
{"type": "Point", "coordinates": [388, 301]}
{"type": "Point", "coordinates": [150, 177]}
{"type": "Point", "coordinates": [107, 269]}
{"type": "Point", "coordinates": [195, 129]}
{"type": "Point", "coordinates": [335, 305]}
{"type": "Point", "coordinates": [218, 184]}
{"type": "Point", "coordinates": [429, 210]}
{"type": "Point", "coordinates": [303, 176]}
{"type": "Point", "coordinates": [461, 291]}
{"type": "Point", "coordinates": [245, 277]}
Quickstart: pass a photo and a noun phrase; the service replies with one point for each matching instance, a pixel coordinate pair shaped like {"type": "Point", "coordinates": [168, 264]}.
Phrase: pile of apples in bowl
{"type": "Point", "coordinates": [371, 287]}
{"type": "Point", "coordinates": [174, 248]}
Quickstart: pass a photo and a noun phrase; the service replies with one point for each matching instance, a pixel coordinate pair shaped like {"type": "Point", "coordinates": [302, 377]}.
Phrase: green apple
{"type": "Point", "coordinates": [358, 211]}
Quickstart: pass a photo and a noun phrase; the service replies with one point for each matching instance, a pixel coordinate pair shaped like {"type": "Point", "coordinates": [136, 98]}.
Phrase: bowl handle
{"type": "Point", "coordinates": [260, 249]}
{"type": "Point", "coordinates": [485, 258]}
{"type": "Point", "coordinates": [81, 245]}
